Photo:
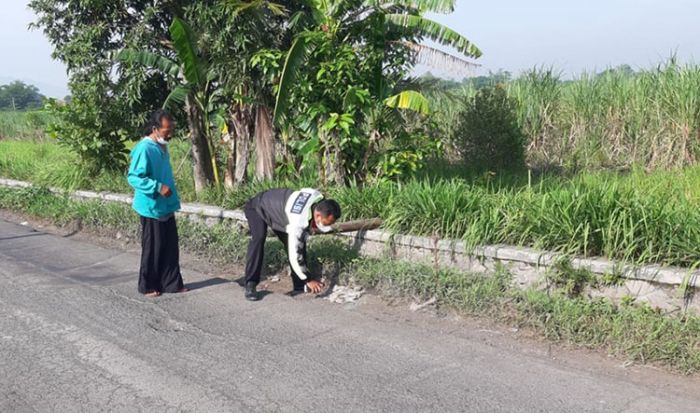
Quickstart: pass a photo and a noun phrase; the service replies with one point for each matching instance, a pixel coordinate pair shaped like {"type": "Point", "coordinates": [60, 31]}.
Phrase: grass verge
{"type": "Point", "coordinates": [632, 331]}
{"type": "Point", "coordinates": [639, 217]}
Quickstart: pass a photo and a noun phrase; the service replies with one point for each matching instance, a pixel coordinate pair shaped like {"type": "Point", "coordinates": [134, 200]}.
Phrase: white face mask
{"type": "Point", "coordinates": [159, 139]}
{"type": "Point", "coordinates": [323, 228]}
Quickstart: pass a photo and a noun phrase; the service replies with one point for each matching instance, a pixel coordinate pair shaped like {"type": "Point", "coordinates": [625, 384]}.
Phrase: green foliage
{"type": "Point", "coordinates": [91, 131]}
{"type": "Point", "coordinates": [419, 26]}
{"type": "Point", "coordinates": [24, 125]}
{"type": "Point", "coordinates": [569, 280]}
{"type": "Point", "coordinates": [617, 119]}
{"type": "Point", "coordinates": [409, 99]}
{"type": "Point", "coordinates": [20, 96]}
{"type": "Point", "coordinates": [488, 134]}
{"type": "Point", "coordinates": [109, 102]}
{"type": "Point", "coordinates": [639, 217]}
{"type": "Point", "coordinates": [347, 65]}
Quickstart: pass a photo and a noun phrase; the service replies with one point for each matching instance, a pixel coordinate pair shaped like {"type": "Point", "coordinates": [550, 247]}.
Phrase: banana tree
{"type": "Point", "coordinates": [236, 31]}
{"type": "Point", "coordinates": [195, 89]}
{"type": "Point", "coordinates": [362, 45]}
{"type": "Point", "coordinates": [397, 24]}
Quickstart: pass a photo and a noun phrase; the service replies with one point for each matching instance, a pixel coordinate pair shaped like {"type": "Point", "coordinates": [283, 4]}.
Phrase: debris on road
{"type": "Point", "coordinates": [418, 307]}
{"type": "Point", "coordinates": [343, 294]}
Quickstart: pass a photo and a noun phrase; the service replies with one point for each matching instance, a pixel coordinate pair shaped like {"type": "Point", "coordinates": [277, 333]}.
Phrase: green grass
{"type": "Point", "coordinates": [638, 217]}
{"type": "Point", "coordinates": [607, 121]}
{"type": "Point", "coordinates": [48, 164]}
{"type": "Point", "coordinates": [629, 331]}
{"type": "Point", "coordinates": [23, 125]}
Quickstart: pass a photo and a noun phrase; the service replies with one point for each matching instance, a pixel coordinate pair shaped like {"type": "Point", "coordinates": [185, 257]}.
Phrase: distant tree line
{"type": "Point", "coordinates": [20, 96]}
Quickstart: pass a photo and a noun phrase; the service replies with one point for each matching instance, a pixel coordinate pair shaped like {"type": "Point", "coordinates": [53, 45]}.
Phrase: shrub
{"type": "Point", "coordinates": [488, 134]}
{"type": "Point", "coordinates": [91, 131]}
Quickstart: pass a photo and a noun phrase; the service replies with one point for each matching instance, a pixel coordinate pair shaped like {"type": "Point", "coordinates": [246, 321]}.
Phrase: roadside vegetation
{"type": "Point", "coordinates": [636, 217]}
{"type": "Point", "coordinates": [614, 120]}
{"type": "Point", "coordinates": [27, 125]}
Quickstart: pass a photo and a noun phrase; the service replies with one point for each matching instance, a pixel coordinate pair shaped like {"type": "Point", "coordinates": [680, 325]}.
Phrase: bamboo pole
{"type": "Point", "coordinates": [349, 226]}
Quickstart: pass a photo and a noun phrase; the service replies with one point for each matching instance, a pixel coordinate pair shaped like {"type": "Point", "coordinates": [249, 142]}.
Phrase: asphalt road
{"type": "Point", "coordinates": [76, 336]}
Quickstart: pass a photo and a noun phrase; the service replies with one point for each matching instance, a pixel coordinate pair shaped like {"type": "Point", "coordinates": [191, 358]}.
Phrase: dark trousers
{"type": "Point", "coordinates": [256, 249]}
{"type": "Point", "coordinates": [160, 257]}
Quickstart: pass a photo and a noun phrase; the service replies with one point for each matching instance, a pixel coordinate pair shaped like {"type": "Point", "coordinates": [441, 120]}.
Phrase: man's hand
{"type": "Point", "coordinates": [165, 191]}
{"type": "Point", "coordinates": [315, 286]}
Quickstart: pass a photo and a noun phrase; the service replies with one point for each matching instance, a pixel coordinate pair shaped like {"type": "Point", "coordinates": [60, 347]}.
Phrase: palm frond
{"type": "Point", "coordinates": [238, 6]}
{"type": "Point", "coordinates": [150, 60]}
{"type": "Point", "coordinates": [176, 97]}
{"type": "Point", "coordinates": [409, 99]}
{"type": "Point", "coordinates": [184, 44]}
{"type": "Point", "coordinates": [436, 58]}
{"type": "Point", "coordinates": [436, 6]}
{"type": "Point", "coordinates": [295, 57]}
{"type": "Point", "coordinates": [422, 27]}
{"type": "Point", "coordinates": [318, 9]}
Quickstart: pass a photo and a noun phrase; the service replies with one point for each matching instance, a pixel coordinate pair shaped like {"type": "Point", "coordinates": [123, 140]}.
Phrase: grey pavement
{"type": "Point", "coordinates": [76, 336]}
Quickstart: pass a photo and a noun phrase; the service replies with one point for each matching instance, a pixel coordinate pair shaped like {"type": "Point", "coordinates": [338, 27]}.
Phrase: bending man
{"type": "Point", "coordinates": [292, 216]}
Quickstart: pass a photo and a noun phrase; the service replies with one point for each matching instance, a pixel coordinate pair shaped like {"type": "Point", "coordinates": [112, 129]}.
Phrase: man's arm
{"type": "Point", "coordinates": [139, 178]}
{"type": "Point", "coordinates": [296, 246]}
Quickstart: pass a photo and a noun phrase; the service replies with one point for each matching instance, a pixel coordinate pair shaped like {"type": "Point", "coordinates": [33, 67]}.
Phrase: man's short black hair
{"type": "Point", "coordinates": [155, 121]}
{"type": "Point", "coordinates": [328, 207]}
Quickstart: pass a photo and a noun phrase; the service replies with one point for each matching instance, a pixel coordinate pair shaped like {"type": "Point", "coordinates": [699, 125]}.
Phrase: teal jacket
{"type": "Point", "coordinates": [150, 169]}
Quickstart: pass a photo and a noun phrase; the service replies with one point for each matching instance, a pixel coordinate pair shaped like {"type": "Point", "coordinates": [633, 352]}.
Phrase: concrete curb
{"type": "Point", "coordinates": [447, 251]}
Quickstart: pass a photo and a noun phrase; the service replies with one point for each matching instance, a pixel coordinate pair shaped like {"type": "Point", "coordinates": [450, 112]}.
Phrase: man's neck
{"type": "Point", "coordinates": [155, 139]}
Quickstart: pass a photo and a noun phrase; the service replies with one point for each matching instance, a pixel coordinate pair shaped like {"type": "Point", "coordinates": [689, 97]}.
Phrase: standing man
{"type": "Point", "coordinates": [156, 200]}
{"type": "Point", "coordinates": [293, 216]}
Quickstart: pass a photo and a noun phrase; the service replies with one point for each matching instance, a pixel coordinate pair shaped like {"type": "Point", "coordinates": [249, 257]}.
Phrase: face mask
{"type": "Point", "coordinates": [159, 139]}
{"type": "Point", "coordinates": [323, 228]}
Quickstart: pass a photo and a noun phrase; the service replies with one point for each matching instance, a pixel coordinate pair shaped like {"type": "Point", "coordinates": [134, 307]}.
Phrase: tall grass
{"type": "Point", "coordinates": [51, 165]}
{"type": "Point", "coordinates": [612, 120]}
{"type": "Point", "coordinates": [24, 125]}
{"type": "Point", "coordinates": [637, 218]}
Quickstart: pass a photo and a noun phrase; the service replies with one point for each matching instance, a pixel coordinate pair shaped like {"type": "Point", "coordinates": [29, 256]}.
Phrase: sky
{"type": "Point", "coordinates": [514, 35]}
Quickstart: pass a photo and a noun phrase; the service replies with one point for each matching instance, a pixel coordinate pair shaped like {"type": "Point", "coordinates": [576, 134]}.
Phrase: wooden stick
{"type": "Point", "coordinates": [349, 226]}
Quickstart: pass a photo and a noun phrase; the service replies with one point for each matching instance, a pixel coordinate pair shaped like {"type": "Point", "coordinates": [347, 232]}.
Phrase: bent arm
{"type": "Point", "coordinates": [139, 178]}
{"type": "Point", "coordinates": [296, 248]}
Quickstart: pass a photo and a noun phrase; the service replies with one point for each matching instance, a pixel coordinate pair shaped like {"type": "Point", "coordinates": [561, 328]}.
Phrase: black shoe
{"type": "Point", "coordinates": [298, 290]}
{"type": "Point", "coordinates": [251, 294]}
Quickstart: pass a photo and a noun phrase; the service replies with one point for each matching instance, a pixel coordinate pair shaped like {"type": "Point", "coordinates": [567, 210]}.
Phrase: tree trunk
{"type": "Point", "coordinates": [338, 162]}
{"type": "Point", "coordinates": [202, 170]}
{"type": "Point", "coordinates": [241, 118]}
{"type": "Point", "coordinates": [322, 157]}
{"type": "Point", "coordinates": [264, 144]}
{"type": "Point", "coordinates": [364, 172]}
{"type": "Point", "coordinates": [230, 143]}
